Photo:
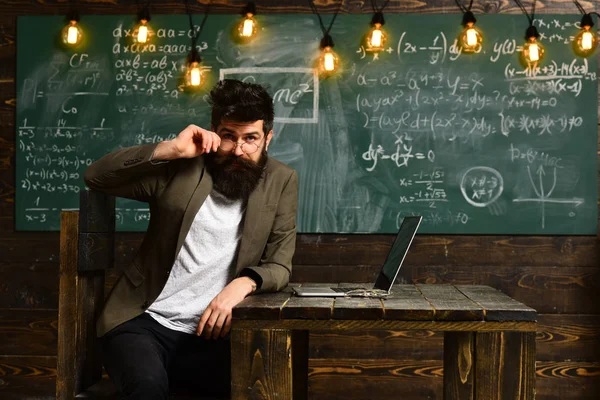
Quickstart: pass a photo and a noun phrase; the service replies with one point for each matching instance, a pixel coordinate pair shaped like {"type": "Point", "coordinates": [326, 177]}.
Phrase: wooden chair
{"type": "Point", "coordinates": [87, 249]}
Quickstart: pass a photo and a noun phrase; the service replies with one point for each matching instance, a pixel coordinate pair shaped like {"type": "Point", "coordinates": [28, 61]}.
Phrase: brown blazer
{"type": "Point", "coordinates": [175, 190]}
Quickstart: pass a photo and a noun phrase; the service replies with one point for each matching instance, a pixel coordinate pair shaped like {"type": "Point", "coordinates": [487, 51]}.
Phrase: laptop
{"type": "Point", "coordinates": [389, 270]}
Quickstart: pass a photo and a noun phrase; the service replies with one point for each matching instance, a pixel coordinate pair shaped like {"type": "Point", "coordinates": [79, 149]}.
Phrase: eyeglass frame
{"type": "Point", "coordinates": [236, 144]}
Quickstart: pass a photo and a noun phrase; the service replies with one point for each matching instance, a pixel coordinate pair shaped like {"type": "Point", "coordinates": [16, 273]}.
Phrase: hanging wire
{"type": "Point", "coordinates": [581, 10]}
{"type": "Point", "coordinates": [462, 7]}
{"type": "Point", "coordinates": [314, 10]}
{"type": "Point", "coordinates": [196, 35]}
{"type": "Point", "coordinates": [529, 17]}
{"type": "Point", "coordinates": [374, 5]}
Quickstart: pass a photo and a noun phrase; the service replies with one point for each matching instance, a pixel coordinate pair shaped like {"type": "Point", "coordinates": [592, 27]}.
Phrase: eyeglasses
{"type": "Point", "coordinates": [230, 145]}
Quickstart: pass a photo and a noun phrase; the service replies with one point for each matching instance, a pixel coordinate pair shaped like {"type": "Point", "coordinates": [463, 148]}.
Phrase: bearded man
{"type": "Point", "coordinates": [222, 227]}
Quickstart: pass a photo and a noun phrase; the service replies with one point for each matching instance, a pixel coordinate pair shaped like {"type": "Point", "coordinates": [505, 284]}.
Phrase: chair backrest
{"type": "Point", "coordinates": [87, 249]}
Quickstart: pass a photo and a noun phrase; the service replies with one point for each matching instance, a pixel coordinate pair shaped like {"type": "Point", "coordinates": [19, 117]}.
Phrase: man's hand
{"type": "Point", "coordinates": [216, 319]}
{"type": "Point", "coordinates": [191, 142]}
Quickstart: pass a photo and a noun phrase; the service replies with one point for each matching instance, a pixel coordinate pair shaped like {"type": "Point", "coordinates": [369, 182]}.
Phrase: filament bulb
{"type": "Point", "coordinates": [142, 32]}
{"type": "Point", "coordinates": [586, 41]}
{"type": "Point", "coordinates": [533, 51]}
{"type": "Point", "coordinates": [329, 61]}
{"type": "Point", "coordinates": [72, 33]}
{"type": "Point", "coordinates": [247, 27]}
{"type": "Point", "coordinates": [376, 38]}
{"type": "Point", "coordinates": [194, 76]}
{"type": "Point", "coordinates": [470, 39]}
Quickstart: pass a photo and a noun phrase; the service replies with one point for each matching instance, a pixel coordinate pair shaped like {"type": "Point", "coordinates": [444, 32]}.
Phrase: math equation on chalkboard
{"type": "Point", "coordinates": [475, 143]}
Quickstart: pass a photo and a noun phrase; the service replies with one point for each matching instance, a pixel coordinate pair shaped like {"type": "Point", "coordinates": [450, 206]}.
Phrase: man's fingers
{"type": "Point", "coordinates": [203, 321]}
{"type": "Point", "coordinates": [207, 140]}
{"type": "Point", "coordinates": [210, 324]}
{"type": "Point", "coordinates": [219, 325]}
{"type": "Point", "coordinates": [226, 327]}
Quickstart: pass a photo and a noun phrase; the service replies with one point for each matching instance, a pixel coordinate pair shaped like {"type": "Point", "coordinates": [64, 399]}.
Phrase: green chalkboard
{"type": "Point", "coordinates": [475, 143]}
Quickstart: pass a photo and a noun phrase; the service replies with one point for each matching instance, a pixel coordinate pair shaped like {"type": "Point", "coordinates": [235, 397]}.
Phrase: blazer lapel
{"type": "Point", "coordinates": [203, 189]}
{"type": "Point", "coordinates": [251, 221]}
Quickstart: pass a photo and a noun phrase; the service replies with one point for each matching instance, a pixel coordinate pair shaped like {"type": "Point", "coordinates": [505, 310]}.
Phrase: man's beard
{"type": "Point", "coordinates": [235, 177]}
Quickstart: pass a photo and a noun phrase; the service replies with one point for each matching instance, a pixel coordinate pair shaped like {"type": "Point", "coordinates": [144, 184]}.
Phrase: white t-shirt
{"type": "Point", "coordinates": [204, 266]}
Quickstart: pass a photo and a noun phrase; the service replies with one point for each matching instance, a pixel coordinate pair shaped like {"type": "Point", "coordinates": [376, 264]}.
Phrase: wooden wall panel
{"type": "Point", "coordinates": [386, 379]}
{"type": "Point", "coordinates": [558, 275]}
{"type": "Point", "coordinates": [366, 250]}
{"type": "Point", "coordinates": [27, 377]}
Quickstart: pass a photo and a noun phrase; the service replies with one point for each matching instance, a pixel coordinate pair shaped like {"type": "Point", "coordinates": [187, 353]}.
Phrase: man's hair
{"type": "Point", "coordinates": [241, 102]}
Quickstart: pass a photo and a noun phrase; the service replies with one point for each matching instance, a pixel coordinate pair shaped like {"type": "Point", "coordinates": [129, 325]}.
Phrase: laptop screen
{"type": "Point", "coordinates": [395, 257]}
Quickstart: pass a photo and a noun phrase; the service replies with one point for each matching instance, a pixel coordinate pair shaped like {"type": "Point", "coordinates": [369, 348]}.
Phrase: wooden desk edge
{"type": "Point", "coordinates": [471, 326]}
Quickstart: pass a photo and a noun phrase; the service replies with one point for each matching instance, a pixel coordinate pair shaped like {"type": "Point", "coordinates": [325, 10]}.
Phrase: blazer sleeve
{"type": "Point", "coordinates": [128, 172]}
{"type": "Point", "coordinates": [275, 266]}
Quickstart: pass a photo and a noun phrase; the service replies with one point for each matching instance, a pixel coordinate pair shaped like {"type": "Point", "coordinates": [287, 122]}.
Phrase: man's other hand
{"type": "Point", "coordinates": [191, 142]}
{"type": "Point", "coordinates": [216, 319]}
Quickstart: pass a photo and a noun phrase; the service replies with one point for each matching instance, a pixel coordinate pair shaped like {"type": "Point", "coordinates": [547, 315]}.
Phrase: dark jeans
{"type": "Point", "coordinates": [145, 361]}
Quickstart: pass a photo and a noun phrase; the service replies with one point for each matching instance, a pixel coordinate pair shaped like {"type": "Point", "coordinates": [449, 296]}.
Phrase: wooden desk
{"type": "Point", "coordinates": [489, 338]}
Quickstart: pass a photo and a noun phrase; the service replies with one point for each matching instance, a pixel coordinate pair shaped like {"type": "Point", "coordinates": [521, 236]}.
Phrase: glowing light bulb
{"type": "Point", "coordinates": [376, 38]}
{"type": "Point", "coordinates": [194, 76]}
{"type": "Point", "coordinates": [587, 38]}
{"type": "Point", "coordinates": [247, 27]}
{"type": "Point", "coordinates": [72, 34]}
{"type": "Point", "coordinates": [329, 61]}
{"type": "Point", "coordinates": [142, 32]}
{"type": "Point", "coordinates": [585, 42]}
{"type": "Point", "coordinates": [533, 51]}
{"type": "Point", "coordinates": [470, 39]}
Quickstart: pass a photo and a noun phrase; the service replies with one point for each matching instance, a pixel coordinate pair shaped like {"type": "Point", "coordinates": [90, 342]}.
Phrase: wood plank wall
{"type": "Point", "coordinates": [559, 276]}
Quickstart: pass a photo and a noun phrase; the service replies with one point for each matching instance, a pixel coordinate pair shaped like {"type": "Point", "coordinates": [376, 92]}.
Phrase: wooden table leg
{"type": "Point", "coordinates": [262, 364]}
{"type": "Point", "coordinates": [459, 365]}
{"type": "Point", "coordinates": [505, 365]}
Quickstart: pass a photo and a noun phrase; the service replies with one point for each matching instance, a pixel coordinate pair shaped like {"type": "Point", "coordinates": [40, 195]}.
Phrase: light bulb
{"type": "Point", "coordinates": [376, 38]}
{"type": "Point", "coordinates": [194, 76]}
{"type": "Point", "coordinates": [247, 27]}
{"type": "Point", "coordinates": [470, 39]}
{"type": "Point", "coordinates": [329, 61]}
{"type": "Point", "coordinates": [72, 34]}
{"type": "Point", "coordinates": [142, 32]}
{"type": "Point", "coordinates": [586, 41]}
{"type": "Point", "coordinates": [533, 51]}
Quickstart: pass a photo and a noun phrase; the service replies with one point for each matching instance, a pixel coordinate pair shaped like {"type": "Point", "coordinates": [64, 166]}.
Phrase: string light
{"type": "Point", "coordinates": [142, 32]}
{"type": "Point", "coordinates": [470, 39]}
{"type": "Point", "coordinates": [247, 27]}
{"type": "Point", "coordinates": [72, 33]}
{"type": "Point", "coordinates": [586, 41]}
{"type": "Point", "coordinates": [328, 62]}
{"type": "Point", "coordinates": [375, 39]}
{"type": "Point", "coordinates": [195, 75]}
{"type": "Point", "coordinates": [533, 51]}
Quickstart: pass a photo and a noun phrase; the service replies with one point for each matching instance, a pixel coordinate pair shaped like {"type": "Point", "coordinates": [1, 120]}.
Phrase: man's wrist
{"type": "Point", "coordinates": [163, 151]}
{"type": "Point", "coordinates": [251, 284]}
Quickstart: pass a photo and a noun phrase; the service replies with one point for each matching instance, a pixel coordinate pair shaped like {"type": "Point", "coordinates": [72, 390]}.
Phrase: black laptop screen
{"type": "Point", "coordinates": [394, 259]}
